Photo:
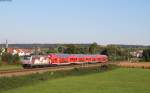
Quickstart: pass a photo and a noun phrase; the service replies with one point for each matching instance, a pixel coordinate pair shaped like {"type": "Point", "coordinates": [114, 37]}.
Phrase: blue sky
{"type": "Point", "coordinates": [75, 21]}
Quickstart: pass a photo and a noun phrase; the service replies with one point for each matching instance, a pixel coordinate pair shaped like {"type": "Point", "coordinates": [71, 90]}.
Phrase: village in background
{"type": "Point", "coordinates": [12, 53]}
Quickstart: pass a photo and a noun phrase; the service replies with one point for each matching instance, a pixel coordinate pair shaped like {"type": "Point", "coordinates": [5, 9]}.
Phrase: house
{"type": "Point", "coordinates": [20, 51]}
{"type": "Point", "coordinates": [137, 53]}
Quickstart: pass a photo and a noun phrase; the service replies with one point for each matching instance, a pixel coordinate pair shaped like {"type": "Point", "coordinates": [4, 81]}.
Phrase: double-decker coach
{"type": "Point", "coordinates": [59, 59]}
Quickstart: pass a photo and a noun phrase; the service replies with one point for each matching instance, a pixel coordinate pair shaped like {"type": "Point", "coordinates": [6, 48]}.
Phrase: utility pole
{"type": "Point", "coordinates": [6, 44]}
{"type": "Point", "coordinates": [6, 47]}
{"type": "Point", "coordinates": [115, 58]}
{"type": "Point", "coordinates": [128, 55]}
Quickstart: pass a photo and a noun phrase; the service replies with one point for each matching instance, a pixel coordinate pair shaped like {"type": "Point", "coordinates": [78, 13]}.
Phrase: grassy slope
{"type": "Point", "coordinates": [120, 80]}
{"type": "Point", "coordinates": [10, 67]}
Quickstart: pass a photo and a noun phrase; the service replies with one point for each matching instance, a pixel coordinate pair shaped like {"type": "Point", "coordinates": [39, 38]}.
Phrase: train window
{"type": "Point", "coordinates": [26, 57]}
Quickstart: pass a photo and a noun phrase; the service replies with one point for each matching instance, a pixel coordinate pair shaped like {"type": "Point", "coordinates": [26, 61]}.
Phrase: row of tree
{"type": "Point", "coordinates": [114, 52]}
{"type": "Point", "coordinates": [76, 49]}
{"type": "Point", "coordinates": [8, 58]}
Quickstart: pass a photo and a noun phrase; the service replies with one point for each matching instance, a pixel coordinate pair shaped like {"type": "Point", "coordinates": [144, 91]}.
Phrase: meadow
{"type": "Point", "coordinates": [120, 80]}
{"type": "Point", "coordinates": [10, 67]}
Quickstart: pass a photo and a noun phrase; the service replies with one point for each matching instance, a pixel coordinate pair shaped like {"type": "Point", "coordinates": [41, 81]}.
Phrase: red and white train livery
{"type": "Point", "coordinates": [62, 59]}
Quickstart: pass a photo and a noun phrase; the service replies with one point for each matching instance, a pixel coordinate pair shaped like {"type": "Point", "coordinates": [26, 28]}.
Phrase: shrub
{"type": "Point", "coordinates": [0, 60]}
{"type": "Point", "coordinates": [10, 59]}
{"type": "Point", "coordinates": [146, 55]}
{"type": "Point", "coordinates": [16, 59]}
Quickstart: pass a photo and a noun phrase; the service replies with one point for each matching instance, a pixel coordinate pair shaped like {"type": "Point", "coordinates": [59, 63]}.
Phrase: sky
{"type": "Point", "coordinates": [75, 21]}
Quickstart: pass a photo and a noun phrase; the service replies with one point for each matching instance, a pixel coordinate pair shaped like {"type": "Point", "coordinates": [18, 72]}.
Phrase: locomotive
{"type": "Point", "coordinates": [62, 59]}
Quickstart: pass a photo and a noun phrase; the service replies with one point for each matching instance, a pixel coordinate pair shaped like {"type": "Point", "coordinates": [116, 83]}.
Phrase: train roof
{"type": "Point", "coordinates": [75, 55]}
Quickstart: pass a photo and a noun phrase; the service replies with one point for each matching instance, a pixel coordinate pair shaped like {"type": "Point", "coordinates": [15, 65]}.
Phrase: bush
{"type": "Point", "coordinates": [16, 59]}
{"type": "Point", "coordinates": [118, 58]}
{"type": "Point", "coordinates": [0, 60]}
{"type": "Point", "coordinates": [10, 59]}
{"type": "Point", "coordinates": [146, 55]}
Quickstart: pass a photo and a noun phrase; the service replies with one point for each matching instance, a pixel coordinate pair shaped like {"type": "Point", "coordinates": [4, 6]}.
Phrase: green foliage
{"type": "Point", "coordinates": [60, 49]}
{"type": "Point", "coordinates": [85, 50]}
{"type": "Point", "coordinates": [71, 49]}
{"type": "Point", "coordinates": [0, 60]}
{"type": "Point", "coordinates": [104, 52]}
{"type": "Point", "coordinates": [81, 51]}
{"type": "Point", "coordinates": [92, 48]}
{"type": "Point", "coordinates": [117, 53]}
{"type": "Point", "coordinates": [10, 67]}
{"type": "Point", "coordinates": [51, 51]}
{"type": "Point", "coordinates": [118, 58]}
{"type": "Point", "coordinates": [16, 59]}
{"type": "Point", "coordinates": [146, 55]}
{"type": "Point", "coordinates": [10, 59]}
{"type": "Point", "coordinates": [76, 49]}
{"type": "Point", "coordinates": [7, 57]}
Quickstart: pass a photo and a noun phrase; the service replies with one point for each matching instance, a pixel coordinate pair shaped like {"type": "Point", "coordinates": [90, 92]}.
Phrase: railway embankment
{"type": "Point", "coordinates": [20, 72]}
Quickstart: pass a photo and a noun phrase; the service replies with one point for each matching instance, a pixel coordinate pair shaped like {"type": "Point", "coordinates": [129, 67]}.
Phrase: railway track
{"type": "Point", "coordinates": [19, 72]}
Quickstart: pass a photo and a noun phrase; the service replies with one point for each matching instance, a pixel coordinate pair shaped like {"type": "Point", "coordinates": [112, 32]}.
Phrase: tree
{"type": "Point", "coordinates": [92, 48]}
{"type": "Point", "coordinates": [117, 53]}
{"type": "Point", "coordinates": [71, 49]}
{"type": "Point", "coordinates": [81, 51]}
{"type": "Point", "coordinates": [7, 57]}
{"type": "Point", "coordinates": [10, 59]}
{"type": "Point", "coordinates": [86, 50]}
{"type": "Point", "coordinates": [146, 55]}
{"type": "Point", "coordinates": [16, 59]}
{"type": "Point", "coordinates": [60, 49]}
{"type": "Point", "coordinates": [51, 51]}
{"type": "Point", "coordinates": [104, 52]}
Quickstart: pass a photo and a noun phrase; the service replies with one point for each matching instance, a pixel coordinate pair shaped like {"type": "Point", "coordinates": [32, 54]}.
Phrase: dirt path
{"type": "Point", "coordinates": [127, 64]}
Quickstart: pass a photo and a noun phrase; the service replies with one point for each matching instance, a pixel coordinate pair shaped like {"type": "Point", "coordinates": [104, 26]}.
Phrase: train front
{"type": "Point", "coordinates": [35, 61]}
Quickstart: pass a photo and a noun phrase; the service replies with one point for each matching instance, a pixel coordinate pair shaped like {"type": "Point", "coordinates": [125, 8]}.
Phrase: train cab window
{"type": "Point", "coordinates": [26, 57]}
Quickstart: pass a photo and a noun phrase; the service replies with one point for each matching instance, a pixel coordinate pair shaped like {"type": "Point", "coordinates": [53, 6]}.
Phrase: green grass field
{"type": "Point", "coordinates": [10, 67]}
{"type": "Point", "coordinates": [121, 80]}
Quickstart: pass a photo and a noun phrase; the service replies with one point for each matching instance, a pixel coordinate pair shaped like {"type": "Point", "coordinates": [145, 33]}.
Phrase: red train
{"type": "Point", "coordinates": [62, 59]}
